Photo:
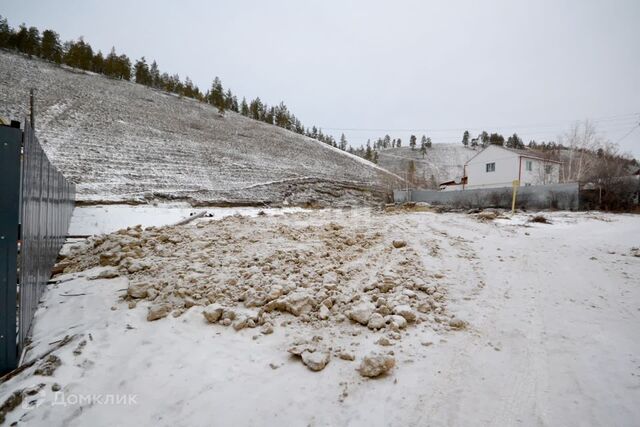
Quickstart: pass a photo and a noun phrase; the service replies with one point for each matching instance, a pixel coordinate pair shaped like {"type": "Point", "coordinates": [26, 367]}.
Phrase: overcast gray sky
{"type": "Point", "coordinates": [373, 67]}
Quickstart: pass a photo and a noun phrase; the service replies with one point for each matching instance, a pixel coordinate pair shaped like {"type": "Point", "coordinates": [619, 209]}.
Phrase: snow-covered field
{"type": "Point", "coordinates": [120, 141]}
{"type": "Point", "coordinates": [99, 219]}
{"type": "Point", "coordinates": [551, 334]}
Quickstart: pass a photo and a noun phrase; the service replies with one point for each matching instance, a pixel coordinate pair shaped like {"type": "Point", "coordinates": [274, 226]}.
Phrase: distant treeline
{"type": "Point", "coordinates": [80, 54]}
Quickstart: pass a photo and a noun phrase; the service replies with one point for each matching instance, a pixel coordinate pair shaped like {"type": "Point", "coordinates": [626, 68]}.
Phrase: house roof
{"type": "Point", "coordinates": [534, 154]}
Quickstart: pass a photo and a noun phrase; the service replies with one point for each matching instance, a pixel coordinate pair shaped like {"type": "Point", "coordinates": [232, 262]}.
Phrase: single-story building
{"type": "Point", "coordinates": [497, 166]}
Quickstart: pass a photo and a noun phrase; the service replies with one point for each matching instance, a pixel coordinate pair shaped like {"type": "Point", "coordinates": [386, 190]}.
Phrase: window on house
{"type": "Point", "coordinates": [491, 167]}
{"type": "Point", "coordinates": [547, 169]}
{"type": "Point", "coordinates": [529, 165]}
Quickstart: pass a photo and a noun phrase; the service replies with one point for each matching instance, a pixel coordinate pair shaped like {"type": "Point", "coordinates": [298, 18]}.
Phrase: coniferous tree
{"type": "Point", "coordinates": [398, 143]}
{"type": "Point", "coordinates": [50, 47]}
{"type": "Point", "coordinates": [111, 63]}
{"type": "Point", "coordinates": [5, 32]}
{"type": "Point", "coordinates": [244, 107]}
{"type": "Point", "coordinates": [386, 141]}
{"type": "Point", "coordinates": [368, 154]}
{"type": "Point", "coordinates": [124, 67]}
{"type": "Point", "coordinates": [154, 71]}
{"type": "Point", "coordinates": [97, 63]}
{"type": "Point", "coordinates": [142, 73]}
{"type": "Point", "coordinates": [496, 139]}
{"type": "Point", "coordinates": [79, 54]}
{"type": "Point", "coordinates": [255, 109]}
{"type": "Point", "coordinates": [428, 142]}
{"type": "Point", "coordinates": [18, 39]}
{"type": "Point", "coordinates": [484, 138]}
{"type": "Point", "coordinates": [216, 95]}
{"type": "Point", "coordinates": [465, 138]}
{"type": "Point", "coordinates": [412, 142]}
{"type": "Point", "coordinates": [281, 116]}
{"type": "Point", "coordinates": [514, 141]}
{"type": "Point", "coordinates": [343, 142]}
{"type": "Point", "coordinates": [32, 46]}
{"type": "Point", "coordinates": [228, 100]}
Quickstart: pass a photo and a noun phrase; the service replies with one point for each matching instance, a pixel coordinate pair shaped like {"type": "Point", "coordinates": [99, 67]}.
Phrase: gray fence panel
{"type": "Point", "coordinates": [10, 141]}
{"type": "Point", "coordinates": [38, 197]}
{"type": "Point", "coordinates": [556, 196]}
{"type": "Point", "coordinates": [47, 205]}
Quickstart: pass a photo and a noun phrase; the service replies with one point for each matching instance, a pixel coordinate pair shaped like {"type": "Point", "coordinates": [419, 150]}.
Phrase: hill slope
{"type": "Point", "coordinates": [442, 161]}
{"type": "Point", "coordinates": [120, 141]}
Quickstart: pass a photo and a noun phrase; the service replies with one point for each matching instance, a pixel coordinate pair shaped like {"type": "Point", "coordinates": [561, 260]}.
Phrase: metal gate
{"type": "Point", "coordinates": [37, 200]}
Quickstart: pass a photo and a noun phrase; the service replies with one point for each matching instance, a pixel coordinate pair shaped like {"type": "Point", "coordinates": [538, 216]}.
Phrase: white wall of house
{"type": "Point", "coordinates": [505, 168]}
{"type": "Point", "coordinates": [496, 167]}
{"type": "Point", "coordinates": [538, 172]}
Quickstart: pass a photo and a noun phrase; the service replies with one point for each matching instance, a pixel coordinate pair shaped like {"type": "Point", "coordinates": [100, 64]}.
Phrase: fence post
{"type": "Point", "coordinates": [10, 142]}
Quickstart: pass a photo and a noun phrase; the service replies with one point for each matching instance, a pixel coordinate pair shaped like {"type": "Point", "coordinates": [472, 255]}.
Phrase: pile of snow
{"type": "Point", "coordinates": [120, 141]}
{"type": "Point", "coordinates": [262, 273]}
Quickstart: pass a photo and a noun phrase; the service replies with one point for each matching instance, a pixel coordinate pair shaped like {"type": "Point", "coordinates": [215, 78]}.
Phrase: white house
{"type": "Point", "coordinates": [498, 166]}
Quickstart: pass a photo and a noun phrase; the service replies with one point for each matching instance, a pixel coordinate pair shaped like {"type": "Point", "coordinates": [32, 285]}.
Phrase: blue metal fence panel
{"type": "Point", "coordinates": [35, 195]}
{"type": "Point", "coordinates": [10, 142]}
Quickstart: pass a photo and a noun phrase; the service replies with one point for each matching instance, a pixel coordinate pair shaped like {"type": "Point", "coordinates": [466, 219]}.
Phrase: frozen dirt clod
{"type": "Point", "coordinates": [158, 312]}
{"type": "Point", "coordinates": [399, 244]}
{"type": "Point", "coordinates": [48, 366]}
{"type": "Point", "coordinates": [456, 323]}
{"type": "Point", "coordinates": [345, 355]}
{"type": "Point", "coordinates": [375, 365]}
{"type": "Point", "coordinates": [406, 312]}
{"type": "Point", "coordinates": [137, 290]}
{"type": "Point", "coordinates": [213, 312]}
{"type": "Point", "coordinates": [361, 312]}
{"type": "Point", "coordinates": [487, 215]}
{"type": "Point", "coordinates": [316, 360]}
{"type": "Point", "coordinates": [376, 321]}
{"type": "Point", "coordinates": [104, 273]}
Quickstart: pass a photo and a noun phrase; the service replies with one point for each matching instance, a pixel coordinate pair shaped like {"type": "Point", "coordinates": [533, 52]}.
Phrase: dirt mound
{"type": "Point", "coordinates": [260, 272]}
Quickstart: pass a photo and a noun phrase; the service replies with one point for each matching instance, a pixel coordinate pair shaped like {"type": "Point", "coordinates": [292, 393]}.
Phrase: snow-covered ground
{"type": "Point", "coordinates": [99, 219]}
{"type": "Point", "coordinates": [552, 335]}
{"type": "Point", "coordinates": [121, 141]}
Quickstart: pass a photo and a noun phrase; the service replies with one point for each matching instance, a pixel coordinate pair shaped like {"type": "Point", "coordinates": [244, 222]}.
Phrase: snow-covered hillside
{"type": "Point", "coordinates": [120, 141]}
{"type": "Point", "coordinates": [442, 161]}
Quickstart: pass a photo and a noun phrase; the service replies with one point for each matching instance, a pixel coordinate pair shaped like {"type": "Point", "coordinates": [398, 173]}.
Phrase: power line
{"type": "Point", "coordinates": [621, 117]}
{"type": "Point", "coordinates": [628, 133]}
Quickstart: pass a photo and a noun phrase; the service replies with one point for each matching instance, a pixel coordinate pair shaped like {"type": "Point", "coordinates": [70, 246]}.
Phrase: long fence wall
{"type": "Point", "coordinates": [38, 201]}
{"type": "Point", "coordinates": [555, 196]}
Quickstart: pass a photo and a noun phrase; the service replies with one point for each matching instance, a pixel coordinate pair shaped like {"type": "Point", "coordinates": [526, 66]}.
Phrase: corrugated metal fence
{"type": "Point", "coordinates": [552, 196]}
{"type": "Point", "coordinates": [38, 200]}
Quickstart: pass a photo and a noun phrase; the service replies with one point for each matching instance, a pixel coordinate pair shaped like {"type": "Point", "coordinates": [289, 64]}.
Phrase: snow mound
{"type": "Point", "coordinates": [264, 273]}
